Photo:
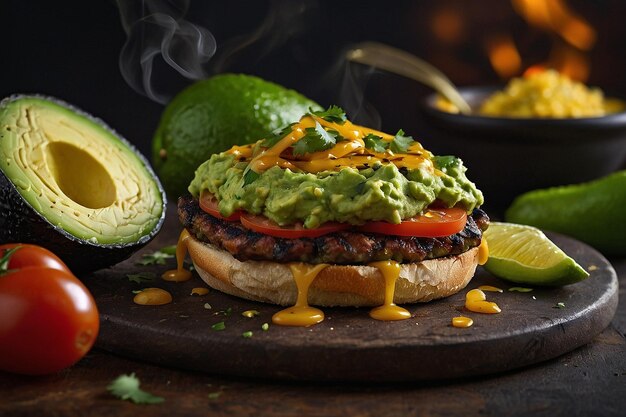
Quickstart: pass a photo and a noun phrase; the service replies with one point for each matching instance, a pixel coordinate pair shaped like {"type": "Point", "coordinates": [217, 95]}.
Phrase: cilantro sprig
{"type": "Point", "coordinates": [399, 144]}
{"type": "Point", "coordinates": [316, 139]}
{"type": "Point", "coordinates": [333, 114]}
{"type": "Point", "coordinates": [155, 258]}
{"type": "Point", "coordinates": [126, 387]}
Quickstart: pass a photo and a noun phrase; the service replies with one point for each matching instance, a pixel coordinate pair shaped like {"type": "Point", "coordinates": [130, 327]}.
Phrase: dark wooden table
{"type": "Point", "coordinates": [590, 380]}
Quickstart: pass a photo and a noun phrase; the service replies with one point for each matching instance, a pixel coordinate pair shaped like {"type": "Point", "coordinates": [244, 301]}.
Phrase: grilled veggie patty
{"type": "Point", "coordinates": [345, 247]}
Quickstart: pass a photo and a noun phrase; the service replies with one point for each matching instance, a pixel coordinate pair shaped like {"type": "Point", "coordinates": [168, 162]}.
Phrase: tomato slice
{"type": "Point", "coordinates": [208, 203]}
{"type": "Point", "coordinates": [262, 224]}
{"type": "Point", "coordinates": [434, 223]}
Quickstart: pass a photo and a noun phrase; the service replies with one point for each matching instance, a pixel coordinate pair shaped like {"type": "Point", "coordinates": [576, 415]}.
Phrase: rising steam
{"type": "Point", "coordinates": [157, 34]}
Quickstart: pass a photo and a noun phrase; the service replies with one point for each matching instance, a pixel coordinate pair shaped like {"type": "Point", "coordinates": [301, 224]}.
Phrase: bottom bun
{"type": "Point", "coordinates": [336, 285]}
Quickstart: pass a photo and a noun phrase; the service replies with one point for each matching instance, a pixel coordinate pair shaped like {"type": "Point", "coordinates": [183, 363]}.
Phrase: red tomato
{"type": "Point", "coordinates": [208, 203]}
{"type": "Point", "coordinates": [32, 255]}
{"type": "Point", "coordinates": [48, 319]}
{"type": "Point", "coordinates": [434, 223]}
{"type": "Point", "coordinates": [264, 225]}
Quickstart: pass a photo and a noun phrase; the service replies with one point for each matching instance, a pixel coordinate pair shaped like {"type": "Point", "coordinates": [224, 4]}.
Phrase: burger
{"type": "Point", "coordinates": [328, 213]}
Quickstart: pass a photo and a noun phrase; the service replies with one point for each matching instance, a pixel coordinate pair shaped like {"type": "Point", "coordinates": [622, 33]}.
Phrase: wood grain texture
{"type": "Point", "coordinates": [348, 345]}
{"type": "Point", "coordinates": [590, 380]}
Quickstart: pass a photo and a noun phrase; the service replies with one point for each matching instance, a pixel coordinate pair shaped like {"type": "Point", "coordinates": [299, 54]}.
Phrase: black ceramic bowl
{"type": "Point", "coordinates": [509, 156]}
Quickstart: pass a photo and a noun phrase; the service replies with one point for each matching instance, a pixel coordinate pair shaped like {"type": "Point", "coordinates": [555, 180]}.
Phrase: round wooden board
{"type": "Point", "coordinates": [349, 345]}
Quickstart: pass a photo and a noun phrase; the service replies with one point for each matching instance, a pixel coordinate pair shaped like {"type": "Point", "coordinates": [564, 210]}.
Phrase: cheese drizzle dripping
{"type": "Point", "coordinates": [301, 314]}
{"type": "Point", "coordinates": [389, 311]}
{"type": "Point", "coordinates": [179, 274]}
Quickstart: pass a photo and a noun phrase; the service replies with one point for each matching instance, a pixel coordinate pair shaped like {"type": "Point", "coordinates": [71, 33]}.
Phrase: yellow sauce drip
{"type": "Point", "coordinates": [179, 274]}
{"type": "Point", "coordinates": [475, 300]}
{"type": "Point", "coordinates": [301, 314]}
{"type": "Point", "coordinates": [483, 252]}
{"type": "Point", "coordinates": [153, 297]}
{"type": "Point", "coordinates": [462, 322]}
{"type": "Point", "coordinates": [490, 288]}
{"type": "Point", "coordinates": [389, 311]}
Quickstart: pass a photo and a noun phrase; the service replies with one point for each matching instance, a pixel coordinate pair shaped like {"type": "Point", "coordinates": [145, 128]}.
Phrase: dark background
{"type": "Point", "coordinates": [70, 50]}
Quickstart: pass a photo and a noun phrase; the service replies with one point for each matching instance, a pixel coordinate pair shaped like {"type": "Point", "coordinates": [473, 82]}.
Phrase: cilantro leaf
{"type": "Point", "coordinates": [126, 387]}
{"type": "Point", "coordinates": [400, 143]}
{"type": "Point", "coordinates": [277, 135]}
{"type": "Point", "coordinates": [333, 114]}
{"type": "Point", "coordinates": [154, 258]}
{"type": "Point", "coordinates": [316, 139]}
{"type": "Point", "coordinates": [249, 176]}
{"type": "Point", "coordinates": [446, 161]}
{"type": "Point", "coordinates": [141, 277]}
{"type": "Point", "coordinates": [219, 326]}
{"type": "Point", "coordinates": [170, 250]}
{"type": "Point", "coordinates": [375, 143]}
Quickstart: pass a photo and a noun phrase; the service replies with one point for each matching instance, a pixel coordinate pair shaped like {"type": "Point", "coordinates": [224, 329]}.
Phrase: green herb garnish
{"type": "Point", "coordinates": [333, 114]}
{"type": "Point", "coordinates": [154, 258]}
{"type": "Point", "coordinates": [400, 143]}
{"type": "Point", "coordinates": [170, 250]}
{"type": "Point", "coordinates": [445, 161]}
{"type": "Point", "coordinates": [277, 135]}
{"type": "Point", "coordinates": [247, 334]}
{"type": "Point", "coordinates": [316, 139]}
{"type": "Point", "coordinates": [265, 327]}
{"type": "Point", "coordinates": [249, 176]}
{"type": "Point", "coordinates": [559, 305]}
{"type": "Point", "coordinates": [219, 326]}
{"type": "Point", "coordinates": [126, 387]}
{"type": "Point", "coordinates": [375, 143]}
{"type": "Point", "coordinates": [215, 395]}
{"type": "Point", "coordinates": [141, 277]}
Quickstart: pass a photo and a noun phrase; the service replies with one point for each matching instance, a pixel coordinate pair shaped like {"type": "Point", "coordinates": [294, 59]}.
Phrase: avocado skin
{"type": "Point", "coordinates": [21, 223]}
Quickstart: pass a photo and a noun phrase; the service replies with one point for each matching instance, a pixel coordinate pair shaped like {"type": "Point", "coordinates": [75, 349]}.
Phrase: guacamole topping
{"type": "Point", "coordinates": [347, 173]}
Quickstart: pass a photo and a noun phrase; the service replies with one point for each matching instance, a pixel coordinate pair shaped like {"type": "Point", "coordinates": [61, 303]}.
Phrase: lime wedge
{"type": "Point", "coordinates": [523, 254]}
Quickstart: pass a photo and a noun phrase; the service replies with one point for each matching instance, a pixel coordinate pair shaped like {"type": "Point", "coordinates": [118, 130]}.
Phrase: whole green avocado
{"type": "Point", "coordinates": [214, 114]}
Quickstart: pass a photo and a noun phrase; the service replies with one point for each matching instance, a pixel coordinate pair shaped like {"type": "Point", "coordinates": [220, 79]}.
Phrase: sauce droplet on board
{"type": "Point", "coordinates": [389, 311]}
{"type": "Point", "coordinates": [462, 322]}
{"type": "Point", "coordinates": [301, 314]}
{"type": "Point", "coordinates": [179, 274]}
{"type": "Point", "coordinates": [475, 300]}
{"type": "Point", "coordinates": [153, 297]}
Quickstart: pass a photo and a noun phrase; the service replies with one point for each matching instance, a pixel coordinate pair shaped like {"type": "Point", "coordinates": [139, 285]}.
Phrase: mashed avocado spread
{"type": "Point", "coordinates": [391, 186]}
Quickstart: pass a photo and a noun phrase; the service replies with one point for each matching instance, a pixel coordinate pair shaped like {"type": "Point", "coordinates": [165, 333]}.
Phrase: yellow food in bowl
{"type": "Point", "coordinates": [548, 94]}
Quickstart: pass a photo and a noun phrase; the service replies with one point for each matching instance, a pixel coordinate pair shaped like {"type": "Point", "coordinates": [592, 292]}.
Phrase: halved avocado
{"type": "Point", "coordinates": [70, 183]}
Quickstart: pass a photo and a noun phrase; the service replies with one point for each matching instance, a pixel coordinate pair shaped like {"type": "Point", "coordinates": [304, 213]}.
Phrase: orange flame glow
{"type": "Point", "coordinates": [504, 56]}
{"type": "Point", "coordinates": [577, 35]}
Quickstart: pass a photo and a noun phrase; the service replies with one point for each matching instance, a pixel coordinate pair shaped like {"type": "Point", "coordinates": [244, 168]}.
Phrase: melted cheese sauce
{"type": "Point", "coordinates": [301, 314]}
{"type": "Point", "coordinates": [389, 311]}
{"type": "Point", "coordinates": [476, 301]}
{"type": "Point", "coordinates": [179, 274]}
{"type": "Point", "coordinates": [490, 288]}
{"type": "Point", "coordinates": [483, 252]}
{"type": "Point", "coordinates": [350, 152]}
{"type": "Point", "coordinates": [152, 297]}
{"type": "Point", "coordinates": [462, 322]}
